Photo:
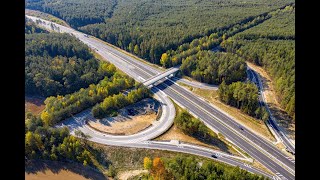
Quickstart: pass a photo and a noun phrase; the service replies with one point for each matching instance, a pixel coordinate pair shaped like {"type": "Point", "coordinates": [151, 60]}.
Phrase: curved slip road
{"type": "Point", "coordinates": [78, 121]}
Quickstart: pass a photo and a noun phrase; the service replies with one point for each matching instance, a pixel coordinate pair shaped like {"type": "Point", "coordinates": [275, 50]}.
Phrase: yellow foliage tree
{"type": "Point", "coordinates": [45, 117]}
{"type": "Point", "coordinates": [90, 92]}
{"type": "Point", "coordinates": [158, 169]}
{"type": "Point", "coordinates": [147, 163]}
{"type": "Point", "coordinates": [164, 59]}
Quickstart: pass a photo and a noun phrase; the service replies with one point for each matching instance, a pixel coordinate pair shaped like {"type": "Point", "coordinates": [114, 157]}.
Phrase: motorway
{"type": "Point", "coordinates": [195, 84]}
{"type": "Point", "coordinates": [257, 147]}
{"type": "Point", "coordinates": [276, 129]}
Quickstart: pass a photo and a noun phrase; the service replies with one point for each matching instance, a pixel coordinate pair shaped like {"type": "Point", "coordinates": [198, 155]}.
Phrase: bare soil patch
{"type": "Point", "coordinates": [53, 170]}
{"type": "Point", "coordinates": [34, 104]}
{"type": "Point", "coordinates": [174, 133]}
{"type": "Point", "coordinates": [283, 119]}
{"type": "Point", "coordinates": [128, 174]}
{"type": "Point", "coordinates": [130, 120]}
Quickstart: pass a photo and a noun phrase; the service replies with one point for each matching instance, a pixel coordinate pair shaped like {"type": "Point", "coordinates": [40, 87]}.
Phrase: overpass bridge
{"type": "Point", "coordinates": [153, 80]}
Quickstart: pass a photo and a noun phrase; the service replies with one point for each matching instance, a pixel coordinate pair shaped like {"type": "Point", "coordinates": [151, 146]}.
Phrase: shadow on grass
{"type": "Point", "coordinates": [283, 118]}
{"type": "Point", "coordinates": [35, 166]}
{"type": "Point", "coordinates": [214, 141]}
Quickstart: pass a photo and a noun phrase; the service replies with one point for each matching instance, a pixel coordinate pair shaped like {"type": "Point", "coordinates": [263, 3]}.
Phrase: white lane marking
{"type": "Point", "coordinates": [247, 165]}
{"type": "Point", "coordinates": [141, 78]}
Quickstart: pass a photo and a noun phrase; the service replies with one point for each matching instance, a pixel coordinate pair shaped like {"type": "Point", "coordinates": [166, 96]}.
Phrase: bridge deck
{"type": "Point", "coordinates": [160, 76]}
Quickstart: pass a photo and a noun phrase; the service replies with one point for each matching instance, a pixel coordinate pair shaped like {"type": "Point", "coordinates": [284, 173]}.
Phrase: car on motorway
{"type": "Point", "coordinates": [214, 156]}
{"type": "Point", "coordinates": [241, 128]}
{"type": "Point", "coordinates": [290, 151]}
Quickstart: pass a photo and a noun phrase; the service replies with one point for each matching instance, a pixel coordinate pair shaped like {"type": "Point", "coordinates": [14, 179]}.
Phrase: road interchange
{"type": "Point", "coordinates": [259, 148]}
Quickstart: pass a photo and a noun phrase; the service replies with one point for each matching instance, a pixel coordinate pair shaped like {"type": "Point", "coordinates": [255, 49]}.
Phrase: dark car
{"type": "Point", "coordinates": [214, 156]}
{"type": "Point", "coordinates": [240, 128]}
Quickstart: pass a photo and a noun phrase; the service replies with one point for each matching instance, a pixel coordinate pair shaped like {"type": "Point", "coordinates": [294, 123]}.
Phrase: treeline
{"type": "Point", "coordinates": [196, 128]}
{"type": "Point", "coordinates": [181, 167]}
{"type": "Point", "coordinates": [276, 56]}
{"type": "Point", "coordinates": [243, 96]}
{"type": "Point", "coordinates": [60, 64]}
{"type": "Point", "coordinates": [54, 44]}
{"type": "Point", "coordinates": [213, 68]}
{"type": "Point", "coordinates": [75, 12]}
{"type": "Point", "coordinates": [61, 107]}
{"type": "Point", "coordinates": [281, 26]}
{"type": "Point", "coordinates": [31, 28]}
{"type": "Point", "coordinates": [112, 104]}
{"type": "Point", "coordinates": [43, 142]}
{"type": "Point", "coordinates": [150, 28]}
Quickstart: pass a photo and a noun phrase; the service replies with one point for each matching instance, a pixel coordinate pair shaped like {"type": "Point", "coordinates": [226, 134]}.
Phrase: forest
{"type": "Point", "coordinates": [182, 167]}
{"type": "Point", "coordinates": [274, 50]}
{"type": "Point", "coordinates": [76, 12]}
{"type": "Point", "coordinates": [43, 142]}
{"type": "Point", "coordinates": [61, 107]}
{"type": "Point", "coordinates": [213, 68]}
{"type": "Point", "coordinates": [243, 96]}
{"type": "Point", "coordinates": [112, 104]}
{"type": "Point", "coordinates": [58, 64]}
{"type": "Point", "coordinates": [174, 57]}
{"type": "Point", "coordinates": [150, 28]}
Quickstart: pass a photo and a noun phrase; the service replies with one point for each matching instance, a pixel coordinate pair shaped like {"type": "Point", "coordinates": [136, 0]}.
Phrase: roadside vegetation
{"type": "Point", "coordinates": [196, 128]}
{"type": "Point", "coordinates": [61, 107]}
{"type": "Point", "coordinates": [188, 167]}
{"type": "Point", "coordinates": [243, 96]}
{"type": "Point", "coordinates": [31, 28]}
{"type": "Point", "coordinates": [111, 104]}
{"type": "Point", "coordinates": [48, 143]}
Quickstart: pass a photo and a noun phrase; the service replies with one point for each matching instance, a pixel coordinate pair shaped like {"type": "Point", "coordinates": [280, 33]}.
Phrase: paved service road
{"type": "Point", "coordinates": [257, 147]}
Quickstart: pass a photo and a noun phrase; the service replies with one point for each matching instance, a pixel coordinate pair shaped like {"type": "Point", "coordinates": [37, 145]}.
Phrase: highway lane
{"type": "Point", "coordinates": [271, 121]}
{"type": "Point", "coordinates": [195, 84]}
{"type": "Point", "coordinates": [146, 69]}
